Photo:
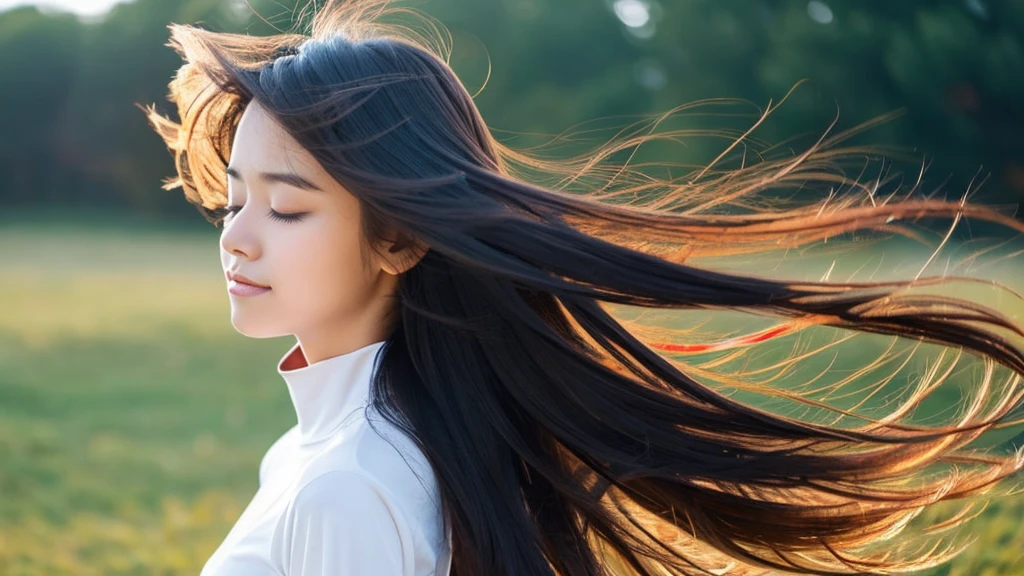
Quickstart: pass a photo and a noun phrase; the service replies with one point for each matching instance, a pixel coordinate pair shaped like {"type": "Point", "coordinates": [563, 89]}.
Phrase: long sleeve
{"type": "Point", "coordinates": [343, 524]}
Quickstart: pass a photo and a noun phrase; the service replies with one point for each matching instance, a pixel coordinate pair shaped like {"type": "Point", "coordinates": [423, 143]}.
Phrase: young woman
{"type": "Point", "coordinates": [467, 401]}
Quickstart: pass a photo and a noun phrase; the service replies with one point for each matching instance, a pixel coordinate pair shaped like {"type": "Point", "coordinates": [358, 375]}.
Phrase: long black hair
{"type": "Point", "coordinates": [563, 441]}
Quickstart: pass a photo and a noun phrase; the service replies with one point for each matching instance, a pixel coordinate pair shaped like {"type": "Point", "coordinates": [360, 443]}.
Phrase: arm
{"type": "Point", "coordinates": [343, 524]}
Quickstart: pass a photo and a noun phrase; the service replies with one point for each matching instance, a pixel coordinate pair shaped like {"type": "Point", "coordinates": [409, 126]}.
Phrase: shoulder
{"type": "Point", "coordinates": [369, 490]}
{"type": "Point", "coordinates": [376, 449]}
{"type": "Point", "coordinates": [344, 522]}
{"type": "Point", "coordinates": [273, 456]}
{"type": "Point", "coordinates": [387, 452]}
{"type": "Point", "coordinates": [343, 494]}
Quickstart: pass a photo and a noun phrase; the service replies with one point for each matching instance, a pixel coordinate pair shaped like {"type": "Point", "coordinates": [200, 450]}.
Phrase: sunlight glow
{"type": "Point", "coordinates": [819, 12]}
{"type": "Point", "coordinates": [633, 13]}
{"type": "Point", "coordinates": [81, 7]}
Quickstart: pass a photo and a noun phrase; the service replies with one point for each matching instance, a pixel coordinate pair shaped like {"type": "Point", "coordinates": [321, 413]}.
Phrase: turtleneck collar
{"type": "Point", "coordinates": [325, 393]}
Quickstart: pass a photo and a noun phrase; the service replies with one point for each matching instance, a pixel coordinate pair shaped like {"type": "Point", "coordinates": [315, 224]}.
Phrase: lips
{"type": "Point", "coordinates": [244, 280]}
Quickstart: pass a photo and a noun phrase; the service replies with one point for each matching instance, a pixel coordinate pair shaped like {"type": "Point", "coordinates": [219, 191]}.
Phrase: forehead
{"type": "Point", "coordinates": [261, 142]}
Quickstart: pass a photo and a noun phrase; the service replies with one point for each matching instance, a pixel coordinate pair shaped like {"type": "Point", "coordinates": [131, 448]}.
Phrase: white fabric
{"type": "Point", "coordinates": [337, 497]}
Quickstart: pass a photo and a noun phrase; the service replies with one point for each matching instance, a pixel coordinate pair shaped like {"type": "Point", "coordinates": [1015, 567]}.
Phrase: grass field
{"type": "Point", "coordinates": [133, 417]}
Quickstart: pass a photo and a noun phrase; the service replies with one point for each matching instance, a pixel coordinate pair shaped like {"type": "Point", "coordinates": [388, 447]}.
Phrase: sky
{"type": "Point", "coordinates": [83, 7]}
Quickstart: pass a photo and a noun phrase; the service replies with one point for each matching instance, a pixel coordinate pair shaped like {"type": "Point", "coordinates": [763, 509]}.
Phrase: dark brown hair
{"type": "Point", "coordinates": [565, 440]}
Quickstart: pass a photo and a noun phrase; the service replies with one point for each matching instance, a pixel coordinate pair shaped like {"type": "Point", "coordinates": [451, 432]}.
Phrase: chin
{"type": "Point", "coordinates": [254, 327]}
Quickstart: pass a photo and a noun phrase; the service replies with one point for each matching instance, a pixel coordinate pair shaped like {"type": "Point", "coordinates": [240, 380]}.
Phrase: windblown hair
{"type": "Point", "coordinates": [564, 440]}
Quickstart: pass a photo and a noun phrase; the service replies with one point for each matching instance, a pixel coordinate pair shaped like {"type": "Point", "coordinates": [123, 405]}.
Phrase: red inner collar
{"type": "Point", "coordinates": [295, 360]}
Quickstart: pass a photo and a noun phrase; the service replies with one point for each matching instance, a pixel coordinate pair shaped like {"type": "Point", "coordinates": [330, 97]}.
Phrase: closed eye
{"type": "Point", "coordinates": [273, 214]}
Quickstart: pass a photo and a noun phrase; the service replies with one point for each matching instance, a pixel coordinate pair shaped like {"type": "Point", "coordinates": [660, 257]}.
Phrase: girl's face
{"type": "Point", "coordinates": [294, 228]}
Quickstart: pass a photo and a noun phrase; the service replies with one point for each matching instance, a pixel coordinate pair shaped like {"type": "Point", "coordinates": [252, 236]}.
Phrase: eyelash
{"type": "Point", "coordinates": [273, 215]}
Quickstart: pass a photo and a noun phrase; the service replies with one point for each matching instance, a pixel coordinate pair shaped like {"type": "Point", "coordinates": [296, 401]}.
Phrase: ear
{"type": "Point", "coordinates": [397, 257]}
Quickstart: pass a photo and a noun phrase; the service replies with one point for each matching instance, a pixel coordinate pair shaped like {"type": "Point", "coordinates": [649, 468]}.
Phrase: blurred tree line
{"type": "Point", "coordinates": [72, 136]}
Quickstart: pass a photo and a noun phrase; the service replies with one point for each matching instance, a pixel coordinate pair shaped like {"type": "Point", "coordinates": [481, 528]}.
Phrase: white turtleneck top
{"type": "Point", "coordinates": [337, 496]}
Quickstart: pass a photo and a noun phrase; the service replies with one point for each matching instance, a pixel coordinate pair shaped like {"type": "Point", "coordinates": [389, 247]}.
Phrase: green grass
{"type": "Point", "coordinates": [133, 417]}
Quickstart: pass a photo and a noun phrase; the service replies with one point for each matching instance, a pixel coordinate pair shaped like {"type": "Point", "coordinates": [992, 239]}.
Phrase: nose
{"type": "Point", "coordinates": [239, 238]}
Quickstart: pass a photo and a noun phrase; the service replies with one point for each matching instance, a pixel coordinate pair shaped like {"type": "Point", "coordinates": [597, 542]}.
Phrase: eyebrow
{"type": "Point", "coordinates": [288, 178]}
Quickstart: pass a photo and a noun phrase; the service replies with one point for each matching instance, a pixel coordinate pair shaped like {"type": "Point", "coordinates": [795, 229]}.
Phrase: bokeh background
{"type": "Point", "coordinates": [133, 417]}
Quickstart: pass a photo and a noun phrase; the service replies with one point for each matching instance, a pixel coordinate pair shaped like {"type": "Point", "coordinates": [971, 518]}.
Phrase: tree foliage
{"type": "Point", "coordinates": [72, 135]}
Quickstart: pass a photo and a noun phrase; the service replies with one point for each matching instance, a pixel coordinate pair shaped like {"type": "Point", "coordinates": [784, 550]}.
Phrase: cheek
{"type": "Point", "coordinates": [323, 273]}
